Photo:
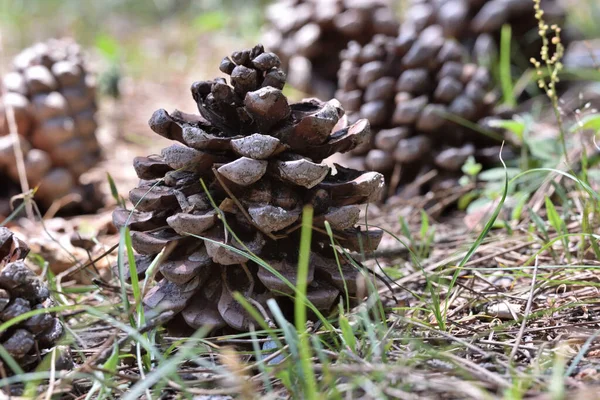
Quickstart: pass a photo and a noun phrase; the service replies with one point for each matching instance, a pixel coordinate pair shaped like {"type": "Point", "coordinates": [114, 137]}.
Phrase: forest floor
{"type": "Point", "coordinates": [477, 305]}
{"type": "Point", "coordinates": [498, 301]}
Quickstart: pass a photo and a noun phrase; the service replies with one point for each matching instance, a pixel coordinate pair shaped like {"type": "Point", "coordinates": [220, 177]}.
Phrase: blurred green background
{"type": "Point", "coordinates": [145, 36]}
{"type": "Point", "coordinates": [167, 41]}
{"type": "Point", "coordinates": [150, 36]}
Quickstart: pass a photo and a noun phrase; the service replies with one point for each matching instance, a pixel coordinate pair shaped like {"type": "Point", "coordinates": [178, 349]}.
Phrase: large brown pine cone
{"type": "Point", "coordinates": [409, 87]}
{"type": "Point", "coordinates": [261, 160]}
{"type": "Point", "coordinates": [308, 35]}
{"type": "Point", "coordinates": [21, 291]}
{"type": "Point", "coordinates": [53, 99]}
{"type": "Point", "coordinates": [477, 23]}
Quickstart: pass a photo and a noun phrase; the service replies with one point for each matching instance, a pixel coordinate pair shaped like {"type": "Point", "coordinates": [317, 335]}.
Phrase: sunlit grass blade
{"type": "Point", "coordinates": [310, 381]}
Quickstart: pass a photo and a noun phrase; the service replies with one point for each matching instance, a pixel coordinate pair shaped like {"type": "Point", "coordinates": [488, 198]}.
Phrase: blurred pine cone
{"type": "Point", "coordinates": [53, 99]}
{"type": "Point", "coordinates": [261, 160]}
{"type": "Point", "coordinates": [409, 87]}
{"type": "Point", "coordinates": [21, 291]}
{"type": "Point", "coordinates": [477, 23]}
{"type": "Point", "coordinates": [308, 35]}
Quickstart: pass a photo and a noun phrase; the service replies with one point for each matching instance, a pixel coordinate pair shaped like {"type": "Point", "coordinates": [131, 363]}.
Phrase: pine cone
{"type": "Point", "coordinates": [408, 87]}
{"type": "Point", "coordinates": [53, 99]}
{"type": "Point", "coordinates": [21, 291]}
{"type": "Point", "coordinates": [477, 23]}
{"type": "Point", "coordinates": [309, 35]}
{"type": "Point", "coordinates": [260, 158]}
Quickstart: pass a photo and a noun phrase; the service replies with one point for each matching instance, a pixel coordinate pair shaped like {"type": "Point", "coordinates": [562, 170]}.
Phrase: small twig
{"type": "Point", "coordinates": [14, 133]}
{"type": "Point", "coordinates": [121, 375]}
{"type": "Point", "coordinates": [421, 180]}
{"type": "Point", "coordinates": [499, 253]}
{"type": "Point", "coordinates": [60, 203]}
{"type": "Point", "coordinates": [494, 378]}
{"type": "Point", "coordinates": [497, 343]}
{"type": "Point", "coordinates": [52, 374]}
{"type": "Point", "coordinates": [107, 345]}
{"type": "Point", "coordinates": [141, 330]}
{"type": "Point", "coordinates": [448, 197]}
{"type": "Point", "coordinates": [526, 314]}
{"type": "Point", "coordinates": [76, 268]}
{"type": "Point", "coordinates": [207, 392]}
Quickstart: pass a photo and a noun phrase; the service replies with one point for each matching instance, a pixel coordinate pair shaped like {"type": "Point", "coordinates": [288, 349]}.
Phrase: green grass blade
{"type": "Point", "coordinates": [581, 354]}
{"type": "Point", "coordinates": [257, 317]}
{"type": "Point", "coordinates": [553, 216]}
{"type": "Point", "coordinates": [167, 368]}
{"type": "Point", "coordinates": [135, 284]}
{"type": "Point", "coordinates": [260, 363]}
{"type": "Point", "coordinates": [505, 70]}
{"type": "Point", "coordinates": [347, 333]}
{"type": "Point", "coordinates": [337, 261]}
{"type": "Point", "coordinates": [121, 266]}
{"type": "Point", "coordinates": [13, 214]}
{"type": "Point", "coordinates": [310, 381]}
{"type": "Point", "coordinates": [113, 190]}
{"type": "Point", "coordinates": [10, 361]}
{"type": "Point", "coordinates": [261, 263]}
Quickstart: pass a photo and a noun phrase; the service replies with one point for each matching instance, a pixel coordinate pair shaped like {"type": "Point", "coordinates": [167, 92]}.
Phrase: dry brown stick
{"type": "Point", "coordinates": [421, 180]}
{"type": "Point", "coordinates": [60, 203]}
{"type": "Point", "coordinates": [499, 253]}
{"type": "Point", "coordinates": [14, 133]}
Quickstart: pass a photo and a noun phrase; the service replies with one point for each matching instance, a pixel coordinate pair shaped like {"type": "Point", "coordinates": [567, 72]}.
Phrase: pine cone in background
{"type": "Point", "coordinates": [308, 35]}
{"type": "Point", "coordinates": [408, 87]}
{"type": "Point", "coordinates": [477, 23]}
{"type": "Point", "coordinates": [21, 291]}
{"type": "Point", "coordinates": [53, 98]}
{"type": "Point", "coordinates": [261, 160]}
